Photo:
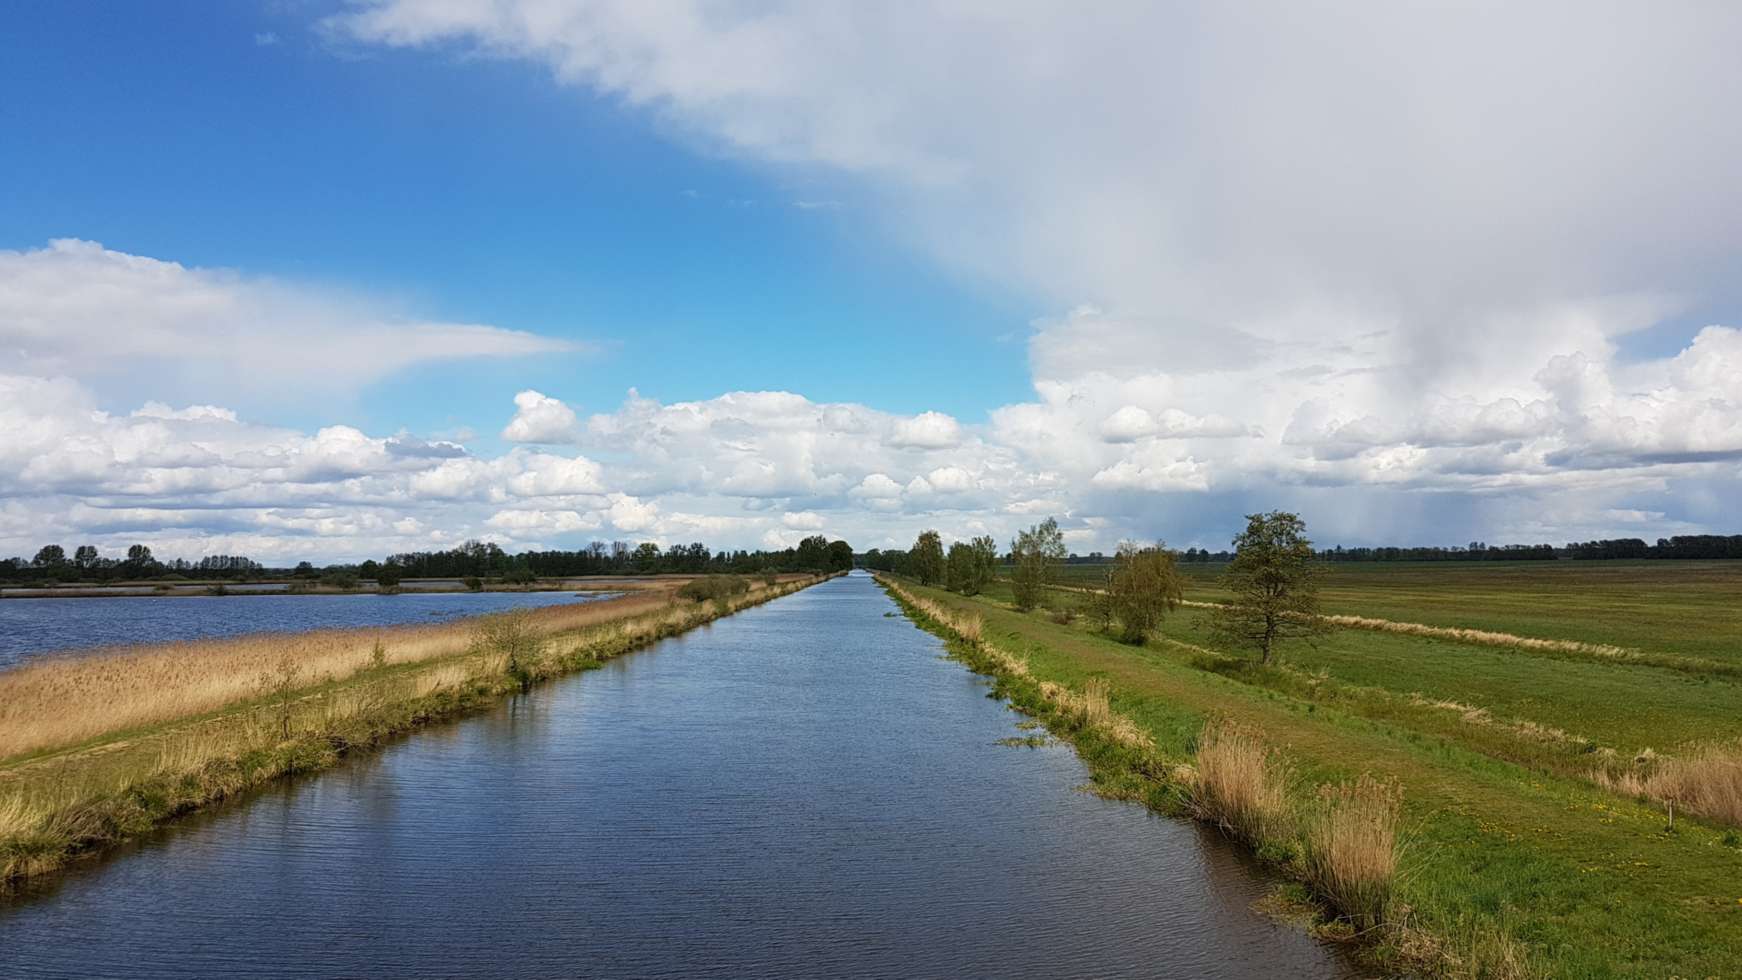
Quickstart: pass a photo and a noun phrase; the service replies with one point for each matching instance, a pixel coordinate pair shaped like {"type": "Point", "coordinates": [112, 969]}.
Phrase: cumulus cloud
{"type": "Point", "coordinates": [539, 418]}
{"type": "Point", "coordinates": [1319, 262]}
{"type": "Point", "coordinates": [1319, 251]}
{"type": "Point", "coordinates": [928, 430]}
{"type": "Point", "coordinates": [142, 326]}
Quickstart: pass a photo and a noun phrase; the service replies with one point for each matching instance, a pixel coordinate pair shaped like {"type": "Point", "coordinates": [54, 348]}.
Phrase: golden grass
{"type": "Point", "coordinates": [1350, 849]}
{"type": "Point", "coordinates": [1240, 785]}
{"type": "Point", "coordinates": [60, 701]}
{"type": "Point", "coordinates": [60, 803]}
{"type": "Point", "coordinates": [1707, 782]}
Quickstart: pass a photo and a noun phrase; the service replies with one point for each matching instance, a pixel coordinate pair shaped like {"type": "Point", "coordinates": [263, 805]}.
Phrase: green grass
{"type": "Point", "coordinates": [1507, 836]}
{"type": "Point", "coordinates": [1680, 607]}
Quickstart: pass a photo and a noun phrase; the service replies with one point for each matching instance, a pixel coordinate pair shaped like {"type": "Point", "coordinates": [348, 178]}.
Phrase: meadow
{"type": "Point", "coordinates": [1535, 763]}
{"type": "Point", "coordinates": [97, 749]}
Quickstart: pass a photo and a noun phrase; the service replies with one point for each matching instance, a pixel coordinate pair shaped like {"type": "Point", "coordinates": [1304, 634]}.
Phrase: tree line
{"type": "Point", "coordinates": [471, 560]}
{"type": "Point", "coordinates": [1272, 573]}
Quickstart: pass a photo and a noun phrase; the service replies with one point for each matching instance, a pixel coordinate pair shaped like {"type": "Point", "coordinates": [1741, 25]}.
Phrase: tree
{"type": "Point", "coordinates": [387, 577]}
{"type": "Point", "coordinates": [1274, 578]}
{"type": "Point", "coordinates": [1143, 585]}
{"type": "Point", "coordinates": [1036, 553]}
{"type": "Point", "coordinates": [840, 556]}
{"type": "Point", "coordinates": [85, 556]}
{"type": "Point", "coordinates": [49, 556]}
{"type": "Point", "coordinates": [985, 555]}
{"type": "Point", "coordinates": [959, 569]}
{"type": "Point", "coordinates": [926, 559]}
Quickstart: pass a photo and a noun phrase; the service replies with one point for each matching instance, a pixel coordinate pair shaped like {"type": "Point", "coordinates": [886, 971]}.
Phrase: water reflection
{"type": "Point", "coordinates": [803, 790]}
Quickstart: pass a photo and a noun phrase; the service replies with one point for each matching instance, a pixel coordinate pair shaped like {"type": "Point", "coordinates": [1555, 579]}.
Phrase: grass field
{"type": "Point", "coordinates": [1498, 749]}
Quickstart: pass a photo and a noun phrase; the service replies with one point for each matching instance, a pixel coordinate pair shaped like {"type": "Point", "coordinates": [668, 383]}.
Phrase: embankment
{"type": "Point", "coordinates": [97, 750]}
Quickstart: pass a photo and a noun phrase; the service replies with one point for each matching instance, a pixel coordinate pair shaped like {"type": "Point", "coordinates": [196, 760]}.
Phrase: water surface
{"type": "Point", "coordinates": [29, 627]}
{"type": "Point", "coordinates": [803, 789]}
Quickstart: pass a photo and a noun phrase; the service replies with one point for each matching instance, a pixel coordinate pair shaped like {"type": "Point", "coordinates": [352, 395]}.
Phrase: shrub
{"type": "Point", "coordinates": [473, 583]}
{"type": "Point", "coordinates": [1351, 849]}
{"type": "Point", "coordinates": [713, 587]}
{"type": "Point", "coordinates": [1240, 785]}
{"type": "Point", "coordinates": [1063, 615]}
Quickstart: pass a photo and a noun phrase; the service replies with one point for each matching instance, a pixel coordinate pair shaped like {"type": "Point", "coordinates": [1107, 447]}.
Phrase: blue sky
{"type": "Point", "coordinates": [481, 193]}
{"type": "Point", "coordinates": [333, 279]}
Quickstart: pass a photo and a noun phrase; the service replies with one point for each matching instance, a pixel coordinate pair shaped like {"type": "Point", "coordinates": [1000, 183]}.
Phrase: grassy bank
{"type": "Point", "coordinates": [98, 750]}
{"type": "Point", "coordinates": [1513, 862]}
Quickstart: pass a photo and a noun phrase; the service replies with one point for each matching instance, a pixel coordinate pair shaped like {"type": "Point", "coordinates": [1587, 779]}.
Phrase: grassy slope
{"type": "Point", "coordinates": [1590, 881]}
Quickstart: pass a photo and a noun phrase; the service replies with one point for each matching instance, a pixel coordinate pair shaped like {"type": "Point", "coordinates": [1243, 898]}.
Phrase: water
{"type": "Point", "coordinates": [804, 789]}
{"type": "Point", "coordinates": [30, 627]}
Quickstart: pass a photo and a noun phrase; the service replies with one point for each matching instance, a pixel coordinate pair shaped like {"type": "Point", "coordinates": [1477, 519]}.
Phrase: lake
{"type": "Point", "coordinates": [803, 789]}
{"type": "Point", "coordinates": [30, 627]}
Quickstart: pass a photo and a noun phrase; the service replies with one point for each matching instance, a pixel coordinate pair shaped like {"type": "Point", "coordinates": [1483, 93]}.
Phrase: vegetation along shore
{"type": "Point", "coordinates": [98, 750]}
{"type": "Point", "coordinates": [1483, 769]}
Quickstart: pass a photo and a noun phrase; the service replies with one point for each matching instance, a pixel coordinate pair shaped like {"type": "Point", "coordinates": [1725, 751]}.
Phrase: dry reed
{"type": "Point", "coordinates": [60, 701]}
{"type": "Point", "coordinates": [1350, 850]}
{"type": "Point", "coordinates": [1241, 786]}
{"type": "Point", "coordinates": [1707, 782]}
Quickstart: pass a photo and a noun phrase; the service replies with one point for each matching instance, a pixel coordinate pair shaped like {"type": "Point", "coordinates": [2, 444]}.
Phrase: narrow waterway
{"type": "Point", "coordinates": [803, 789]}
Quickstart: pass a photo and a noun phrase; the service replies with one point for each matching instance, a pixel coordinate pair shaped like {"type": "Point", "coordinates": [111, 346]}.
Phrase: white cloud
{"type": "Point", "coordinates": [928, 430]}
{"type": "Point", "coordinates": [538, 418]}
{"type": "Point", "coordinates": [1319, 262]}
{"type": "Point", "coordinates": [143, 327]}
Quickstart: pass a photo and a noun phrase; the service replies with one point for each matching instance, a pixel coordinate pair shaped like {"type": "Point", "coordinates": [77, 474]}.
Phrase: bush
{"type": "Point", "coordinates": [473, 583]}
{"type": "Point", "coordinates": [1063, 615]}
{"type": "Point", "coordinates": [713, 587]}
{"type": "Point", "coordinates": [1351, 849]}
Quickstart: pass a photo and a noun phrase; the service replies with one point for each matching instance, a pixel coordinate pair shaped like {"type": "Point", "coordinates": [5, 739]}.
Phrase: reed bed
{"type": "Point", "coordinates": [1350, 850]}
{"type": "Point", "coordinates": [294, 719]}
{"type": "Point", "coordinates": [60, 701]}
{"type": "Point", "coordinates": [1706, 782]}
{"type": "Point", "coordinates": [1240, 785]}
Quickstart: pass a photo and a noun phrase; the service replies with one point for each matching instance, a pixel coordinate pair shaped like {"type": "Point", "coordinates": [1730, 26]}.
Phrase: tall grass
{"type": "Point", "coordinates": [1707, 782]}
{"type": "Point", "coordinates": [1241, 785]}
{"type": "Point", "coordinates": [1350, 848]}
{"type": "Point", "coordinates": [55, 702]}
{"type": "Point", "coordinates": [1343, 842]}
{"type": "Point", "coordinates": [57, 804]}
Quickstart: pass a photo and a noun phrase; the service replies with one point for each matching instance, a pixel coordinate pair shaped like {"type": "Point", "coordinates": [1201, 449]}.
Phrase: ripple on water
{"type": "Point", "coordinates": [804, 789]}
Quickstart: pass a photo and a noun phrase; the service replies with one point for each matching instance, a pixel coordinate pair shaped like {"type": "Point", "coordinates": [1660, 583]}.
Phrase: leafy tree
{"type": "Point", "coordinates": [926, 559]}
{"type": "Point", "coordinates": [1274, 578]}
{"type": "Point", "coordinates": [85, 556]}
{"type": "Point", "coordinates": [1143, 585]}
{"type": "Point", "coordinates": [139, 554]}
{"type": "Point", "coordinates": [1037, 553]}
{"type": "Point", "coordinates": [304, 570]}
{"type": "Point", "coordinates": [840, 556]}
{"type": "Point", "coordinates": [969, 565]}
{"type": "Point", "coordinates": [49, 556]}
{"type": "Point", "coordinates": [387, 577]}
{"type": "Point", "coordinates": [646, 557]}
{"type": "Point", "coordinates": [959, 568]}
{"type": "Point", "coordinates": [985, 555]}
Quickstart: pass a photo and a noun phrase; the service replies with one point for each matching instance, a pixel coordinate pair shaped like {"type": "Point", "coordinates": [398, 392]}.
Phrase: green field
{"type": "Point", "coordinates": [1494, 746]}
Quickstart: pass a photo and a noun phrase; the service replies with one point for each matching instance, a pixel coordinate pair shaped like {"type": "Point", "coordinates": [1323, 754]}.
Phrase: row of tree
{"type": "Point", "coordinates": [1272, 573]}
{"type": "Point", "coordinates": [87, 564]}
{"type": "Point", "coordinates": [471, 560]}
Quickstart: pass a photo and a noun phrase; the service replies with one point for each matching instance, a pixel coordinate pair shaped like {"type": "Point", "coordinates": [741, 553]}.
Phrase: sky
{"type": "Point", "coordinates": [331, 280]}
